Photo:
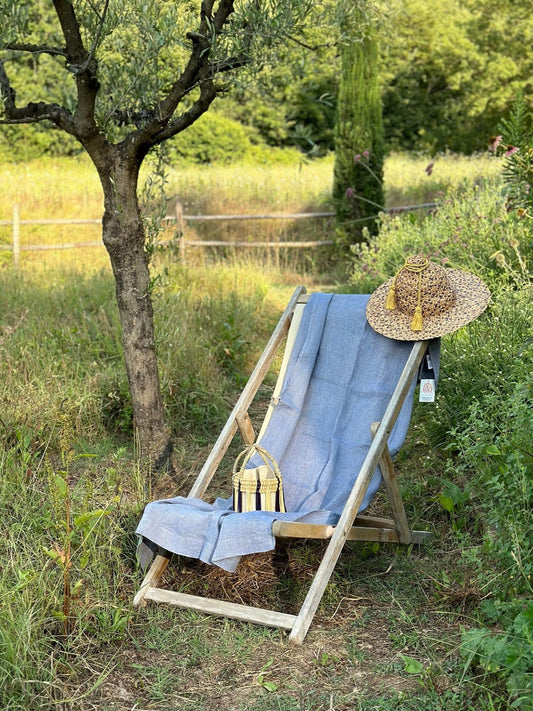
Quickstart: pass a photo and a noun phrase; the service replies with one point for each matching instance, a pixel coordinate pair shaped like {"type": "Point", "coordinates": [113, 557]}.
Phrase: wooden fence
{"type": "Point", "coordinates": [180, 220]}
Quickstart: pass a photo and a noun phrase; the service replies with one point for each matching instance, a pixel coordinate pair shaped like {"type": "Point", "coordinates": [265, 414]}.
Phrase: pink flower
{"type": "Point", "coordinates": [350, 192]}
{"type": "Point", "coordinates": [429, 168]}
{"type": "Point", "coordinates": [494, 143]}
{"type": "Point", "coordinates": [366, 154]}
{"type": "Point", "coordinates": [510, 151]}
{"type": "Point", "coordinates": [357, 158]}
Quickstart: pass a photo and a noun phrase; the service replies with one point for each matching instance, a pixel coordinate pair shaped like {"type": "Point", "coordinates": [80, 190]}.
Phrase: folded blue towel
{"type": "Point", "coordinates": [339, 379]}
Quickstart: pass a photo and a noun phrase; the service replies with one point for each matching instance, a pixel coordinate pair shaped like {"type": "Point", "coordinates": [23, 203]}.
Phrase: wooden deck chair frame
{"type": "Point", "coordinates": [350, 527]}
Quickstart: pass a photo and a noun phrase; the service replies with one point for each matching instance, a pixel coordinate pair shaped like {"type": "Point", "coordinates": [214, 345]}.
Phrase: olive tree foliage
{"type": "Point", "coordinates": [135, 73]}
{"type": "Point", "coordinates": [293, 101]}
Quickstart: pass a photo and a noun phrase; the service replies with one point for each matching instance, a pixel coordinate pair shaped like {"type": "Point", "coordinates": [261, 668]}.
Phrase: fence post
{"type": "Point", "coordinates": [16, 234]}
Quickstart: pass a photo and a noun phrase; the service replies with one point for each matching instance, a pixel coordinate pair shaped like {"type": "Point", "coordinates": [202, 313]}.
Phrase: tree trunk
{"type": "Point", "coordinates": [124, 238]}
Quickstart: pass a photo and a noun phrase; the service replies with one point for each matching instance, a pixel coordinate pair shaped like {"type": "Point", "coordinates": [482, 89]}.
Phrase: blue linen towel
{"type": "Point", "coordinates": [339, 379]}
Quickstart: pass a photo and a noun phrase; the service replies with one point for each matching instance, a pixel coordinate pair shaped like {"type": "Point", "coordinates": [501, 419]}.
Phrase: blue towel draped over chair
{"type": "Point", "coordinates": [340, 377]}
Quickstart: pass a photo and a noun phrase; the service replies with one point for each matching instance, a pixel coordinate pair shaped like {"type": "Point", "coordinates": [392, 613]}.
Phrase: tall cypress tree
{"type": "Point", "coordinates": [358, 172]}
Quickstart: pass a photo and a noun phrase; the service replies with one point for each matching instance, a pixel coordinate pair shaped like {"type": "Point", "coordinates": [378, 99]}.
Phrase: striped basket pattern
{"type": "Point", "coordinates": [258, 488]}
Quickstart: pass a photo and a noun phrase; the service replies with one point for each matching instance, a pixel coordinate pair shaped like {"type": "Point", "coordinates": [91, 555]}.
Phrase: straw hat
{"type": "Point", "coordinates": [425, 300]}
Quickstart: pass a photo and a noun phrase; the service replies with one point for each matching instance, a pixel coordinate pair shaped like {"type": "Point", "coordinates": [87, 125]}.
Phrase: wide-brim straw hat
{"type": "Point", "coordinates": [425, 300]}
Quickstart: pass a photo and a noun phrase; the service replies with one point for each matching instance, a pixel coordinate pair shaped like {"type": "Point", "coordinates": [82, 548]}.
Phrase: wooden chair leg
{"type": "Point", "coordinates": [152, 577]}
{"type": "Point", "coordinates": [390, 481]}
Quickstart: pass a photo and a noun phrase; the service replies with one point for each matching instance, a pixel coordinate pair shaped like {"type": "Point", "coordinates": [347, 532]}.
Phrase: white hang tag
{"type": "Point", "coordinates": [427, 390]}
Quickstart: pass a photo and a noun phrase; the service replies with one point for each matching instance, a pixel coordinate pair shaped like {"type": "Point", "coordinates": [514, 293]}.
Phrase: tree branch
{"type": "Point", "coordinates": [198, 72]}
{"type": "Point", "coordinates": [6, 90]}
{"type": "Point", "coordinates": [226, 65]}
{"type": "Point", "coordinates": [84, 67]}
{"type": "Point", "coordinates": [36, 49]}
{"type": "Point", "coordinates": [198, 66]}
{"type": "Point", "coordinates": [208, 92]}
{"type": "Point", "coordinates": [90, 56]}
{"type": "Point", "coordinates": [76, 52]}
{"type": "Point", "coordinates": [310, 47]}
{"type": "Point", "coordinates": [32, 112]}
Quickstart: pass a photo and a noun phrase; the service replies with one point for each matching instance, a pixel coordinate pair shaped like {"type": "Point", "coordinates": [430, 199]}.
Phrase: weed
{"type": "Point", "coordinates": [516, 146]}
{"type": "Point", "coordinates": [453, 499]}
{"type": "Point", "coordinates": [508, 653]}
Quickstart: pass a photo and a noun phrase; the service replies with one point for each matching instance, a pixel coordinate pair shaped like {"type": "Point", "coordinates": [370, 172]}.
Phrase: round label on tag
{"type": "Point", "coordinates": [427, 390]}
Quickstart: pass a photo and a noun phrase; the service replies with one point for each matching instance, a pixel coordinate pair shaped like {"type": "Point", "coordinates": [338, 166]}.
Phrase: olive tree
{"type": "Point", "coordinates": [134, 74]}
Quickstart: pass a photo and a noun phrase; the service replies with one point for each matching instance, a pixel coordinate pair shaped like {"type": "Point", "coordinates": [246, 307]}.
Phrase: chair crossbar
{"type": "Point", "coordinates": [233, 610]}
{"type": "Point", "coordinates": [365, 532]}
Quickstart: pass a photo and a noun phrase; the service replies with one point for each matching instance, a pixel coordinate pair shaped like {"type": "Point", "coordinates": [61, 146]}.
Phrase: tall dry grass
{"type": "Point", "coordinates": [68, 188]}
{"type": "Point", "coordinates": [413, 179]}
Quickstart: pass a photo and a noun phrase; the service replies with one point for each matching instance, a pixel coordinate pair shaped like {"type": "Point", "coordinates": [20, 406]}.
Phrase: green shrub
{"type": "Point", "coordinates": [483, 417]}
{"type": "Point", "coordinates": [468, 230]}
{"type": "Point", "coordinates": [483, 363]}
{"type": "Point", "coordinates": [25, 143]}
{"type": "Point", "coordinates": [213, 138]}
{"type": "Point", "coordinates": [492, 450]}
{"type": "Point", "coordinates": [517, 148]}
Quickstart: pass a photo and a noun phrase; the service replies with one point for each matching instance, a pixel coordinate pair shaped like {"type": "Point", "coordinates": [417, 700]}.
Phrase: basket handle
{"type": "Point", "coordinates": [247, 454]}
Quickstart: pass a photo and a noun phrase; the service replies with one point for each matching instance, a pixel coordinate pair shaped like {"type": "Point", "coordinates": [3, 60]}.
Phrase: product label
{"type": "Point", "coordinates": [427, 390]}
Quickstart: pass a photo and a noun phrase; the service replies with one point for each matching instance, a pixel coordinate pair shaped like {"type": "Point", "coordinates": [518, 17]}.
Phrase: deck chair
{"type": "Point", "coordinates": [332, 507]}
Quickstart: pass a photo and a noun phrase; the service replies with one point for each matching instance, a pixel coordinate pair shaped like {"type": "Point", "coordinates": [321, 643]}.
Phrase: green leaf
{"type": "Point", "coordinates": [56, 555]}
{"type": "Point", "coordinates": [446, 502]}
{"type": "Point", "coordinates": [84, 559]}
{"type": "Point", "coordinates": [83, 519]}
{"type": "Point", "coordinates": [269, 686]}
{"type": "Point", "coordinates": [412, 666]}
{"type": "Point", "coordinates": [77, 587]}
{"type": "Point", "coordinates": [60, 485]}
{"type": "Point", "coordinates": [493, 449]}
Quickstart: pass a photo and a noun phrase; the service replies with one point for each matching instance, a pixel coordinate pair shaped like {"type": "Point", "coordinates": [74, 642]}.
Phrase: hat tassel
{"type": "Point", "coordinates": [390, 303]}
{"type": "Point", "coordinates": [416, 323]}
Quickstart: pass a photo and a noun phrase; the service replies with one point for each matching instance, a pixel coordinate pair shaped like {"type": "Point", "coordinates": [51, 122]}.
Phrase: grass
{"type": "Point", "coordinates": [69, 189]}
{"type": "Point", "coordinates": [388, 633]}
{"type": "Point", "coordinates": [410, 180]}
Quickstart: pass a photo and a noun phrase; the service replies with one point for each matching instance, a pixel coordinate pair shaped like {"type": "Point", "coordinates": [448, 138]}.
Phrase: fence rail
{"type": "Point", "coordinates": [180, 219]}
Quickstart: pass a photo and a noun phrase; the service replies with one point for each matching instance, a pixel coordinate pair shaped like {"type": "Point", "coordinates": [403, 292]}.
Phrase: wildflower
{"type": "Point", "coordinates": [357, 158]}
{"type": "Point", "coordinates": [429, 168]}
{"type": "Point", "coordinates": [510, 151]}
{"type": "Point", "coordinates": [494, 143]}
{"type": "Point", "coordinates": [366, 154]}
{"type": "Point", "coordinates": [514, 243]}
{"type": "Point", "coordinates": [350, 192]}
